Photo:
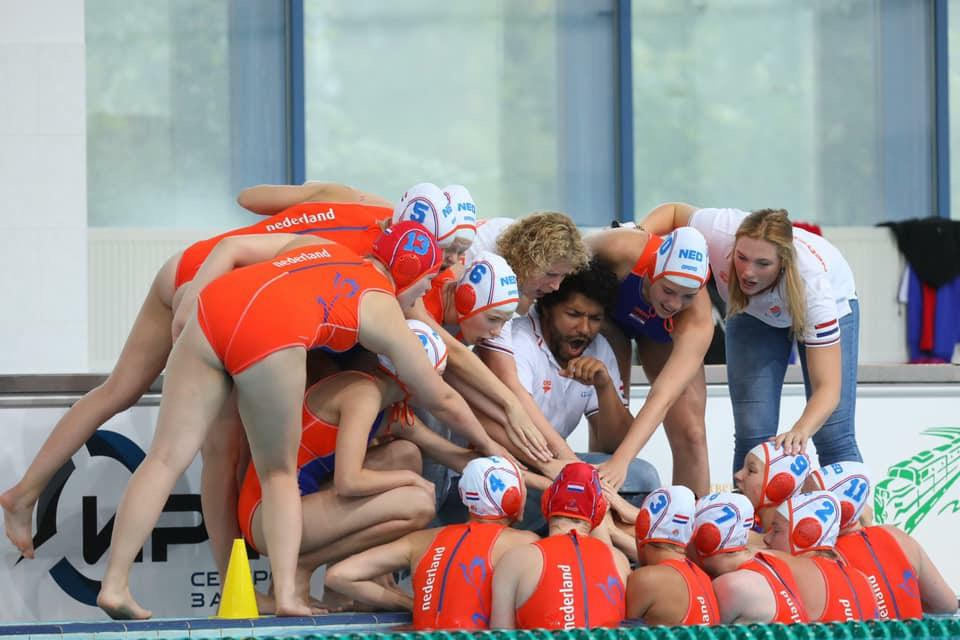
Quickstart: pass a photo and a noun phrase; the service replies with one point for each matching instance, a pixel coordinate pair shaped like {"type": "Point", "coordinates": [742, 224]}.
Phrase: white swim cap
{"type": "Point", "coordinates": [722, 523]}
{"type": "Point", "coordinates": [813, 521]}
{"type": "Point", "coordinates": [425, 203]}
{"type": "Point", "coordinates": [487, 283]}
{"type": "Point", "coordinates": [849, 482]}
{"type": "Point", "coordinates": [783, 474]}
{"type": "Point", "coordinates": [666, 516]}
{"type": "Point", "coordinates": [492, 488]}
{"type": "Point", "coordinates": [465, 209]}
{"type": "Point", "coordinates": [683, 259]}
{"type": "Point", "coordinates": [432, 343]}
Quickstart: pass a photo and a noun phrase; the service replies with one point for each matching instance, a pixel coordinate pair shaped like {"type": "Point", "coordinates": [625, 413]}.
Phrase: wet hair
{"type": "Point", "coordinates": [535, 242]}
{"type": "Point", "coordinates": [596, 282]}
{"type": "Point", "coordinates": [773, 226]}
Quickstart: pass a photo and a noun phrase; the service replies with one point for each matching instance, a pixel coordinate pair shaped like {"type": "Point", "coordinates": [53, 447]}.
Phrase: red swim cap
{"type": "Point", "coordinates": [409, 251]}
{"type": "Point", "coordinates": [576, 493]}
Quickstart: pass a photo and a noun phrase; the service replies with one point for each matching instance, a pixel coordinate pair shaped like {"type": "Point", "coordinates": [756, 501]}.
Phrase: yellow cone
{"type": "Point", "coordinates": [237, 599]}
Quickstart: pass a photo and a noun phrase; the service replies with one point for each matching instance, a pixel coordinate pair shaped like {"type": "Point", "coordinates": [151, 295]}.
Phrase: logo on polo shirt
{"type": "Point", "coordinates": [775, 311]}
{"type": "Point", "coordinates": [547, 385]}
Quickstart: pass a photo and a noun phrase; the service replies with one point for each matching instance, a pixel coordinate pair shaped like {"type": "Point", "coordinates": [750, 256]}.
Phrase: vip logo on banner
{"type": "Point", "coordinates": [95, 541]}
{"type": "Point", "coordinates": [174, 574]}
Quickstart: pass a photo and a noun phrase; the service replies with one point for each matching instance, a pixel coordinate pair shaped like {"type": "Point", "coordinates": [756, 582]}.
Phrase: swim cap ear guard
{"type": "Point", "coordinates": [722, 523]}
{"type": "Point", "coordinates": [487, 283]}
{"type": "Point", "coordinates": [492, 488]}
{"type": "Point", "coordinates": [409, 252]}
{"type": "Point", "coordinates": [813, 520]}
{"type": "Point", "coordinates": [666, 516]}
{"type": "Point", "coordinates": [783, 474]}
{"type": "Point", "coordinates": [426, 204]}
{"type": "Point", "coordinates": [849, 482]}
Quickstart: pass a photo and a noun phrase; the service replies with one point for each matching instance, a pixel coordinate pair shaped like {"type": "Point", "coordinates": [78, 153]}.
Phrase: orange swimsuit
{"type": "Point", "coordinates": [308, 297]}
{"type": "Point", "coordinates": [849, 596]}
{"type": "Point", "coordinates": [579, 586]}
{"type": "Point", "coordinates": [353, 225]}
{"type": "Point", "coordinates": [316, 460]}
{"type": "Point", "coordinates": [701, 601]}
{"type": "Point", "coordinates": [433, 298]}
{"type": "Point", "coordinates": [452, 581]}
{"type": "Point", "coordinates": [783, 585]}
{"type": "Point", "coordinates": [876, 553]}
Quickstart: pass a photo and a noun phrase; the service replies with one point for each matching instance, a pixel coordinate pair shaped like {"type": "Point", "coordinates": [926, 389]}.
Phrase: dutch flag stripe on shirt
{"type": "Point", "coordinates": [825, 333]}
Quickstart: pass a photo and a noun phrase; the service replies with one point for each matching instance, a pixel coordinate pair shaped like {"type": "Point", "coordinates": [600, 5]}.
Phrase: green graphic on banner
{"type": "Point", "coordinates": [913, 487]}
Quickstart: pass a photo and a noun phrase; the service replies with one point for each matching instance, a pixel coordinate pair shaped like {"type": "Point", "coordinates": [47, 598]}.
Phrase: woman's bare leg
{"type": "Point", "coordinates": [194, 391]}
{"type": "Point", "coordinates": [270, 397]}
{"type": "Point", "coordinates": [223, 451]}
{"type": "Point", "coordinates": [685, 423]}
{"type": "Point", "coordinates": [141, 361]}
{"type": "Point", "coordinates": [335, 527]}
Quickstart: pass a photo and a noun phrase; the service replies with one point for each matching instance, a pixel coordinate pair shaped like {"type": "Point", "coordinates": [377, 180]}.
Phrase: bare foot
{"type": "Point", "coordinates": [17, 522]}
{"type": "Point", "coordinates": [293, 608]}
{"type": "Point", "coordinates": [265, 603]}
{"type": "Point", "coordinates": [333, 601]}
{"type": "Point", "coordinates": [121, 606]}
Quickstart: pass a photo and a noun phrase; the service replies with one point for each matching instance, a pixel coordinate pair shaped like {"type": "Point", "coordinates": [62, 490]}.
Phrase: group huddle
{"type": "Point", "coordinates": [791, 547]}
{"type": "Point", "coordinates": [319, 357]}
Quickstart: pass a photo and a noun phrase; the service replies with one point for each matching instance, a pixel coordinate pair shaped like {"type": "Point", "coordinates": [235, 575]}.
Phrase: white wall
{"type": "Point", "coordinates": [43, 201]}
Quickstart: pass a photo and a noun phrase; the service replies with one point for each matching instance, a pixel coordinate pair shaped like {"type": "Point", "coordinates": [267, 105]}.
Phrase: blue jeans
{"type": "Point", "coordinates": [642, 478]}
{"type": "Point", "coordinates": [757, 356]}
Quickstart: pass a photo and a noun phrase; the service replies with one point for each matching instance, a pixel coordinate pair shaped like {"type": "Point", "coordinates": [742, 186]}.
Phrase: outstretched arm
{"type": "Point", "coordinates": [436, 446]}
{"type": "Point", "coordinates": [691, 339]}
{"type": "Point", "coordinates": [824, 367]}
{"type": "Point", "coordinates": [504, 368]}
{"type": "Point", "coordinates": [666, 217]}
{"type": "Point", "coordinates": [353, 577]}
{"type": "Point", "coordinates": [384, 330]}
{"type": "Point", "coordinates": [270, 199]}
{"type": "Point", "coordinates": [350, 477]}
{"type": "Point", "coordinates": [468, 368]}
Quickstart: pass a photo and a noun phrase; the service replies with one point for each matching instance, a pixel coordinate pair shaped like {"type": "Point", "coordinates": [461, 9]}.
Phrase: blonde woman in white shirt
{"type": "Point", "coordinates": [780, 283]}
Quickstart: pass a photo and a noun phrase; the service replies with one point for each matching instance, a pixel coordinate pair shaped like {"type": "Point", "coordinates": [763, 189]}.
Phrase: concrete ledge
{"type": "Point", "coordinates": [68, 384]}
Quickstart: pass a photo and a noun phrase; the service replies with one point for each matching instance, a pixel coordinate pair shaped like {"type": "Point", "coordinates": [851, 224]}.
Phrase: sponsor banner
{"type": "Point", "coordinates": [909, 435]}
{"type": "Point", "coordinates": [174, 576]}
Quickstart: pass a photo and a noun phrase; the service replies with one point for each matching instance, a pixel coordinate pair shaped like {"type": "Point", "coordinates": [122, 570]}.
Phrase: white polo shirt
{"type": "Point", "coordinates": [563, 401]}
{"type": "Point", "coordinates": [827, 278]}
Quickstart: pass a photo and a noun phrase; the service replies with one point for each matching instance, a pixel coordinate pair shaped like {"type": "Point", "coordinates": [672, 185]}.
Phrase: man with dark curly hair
{"type": "Point", "coordinates": [570, 371]}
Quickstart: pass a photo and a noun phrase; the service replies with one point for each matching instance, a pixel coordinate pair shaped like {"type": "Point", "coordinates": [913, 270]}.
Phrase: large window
{"type": "Point", "coordinates": [186, 105]}
{"type": "Point", "coordinates": [953, 40]}
{"type": "Point", "coordinates": [512, 99]}
{"type": "Point", "coordinates": [824, 108]}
